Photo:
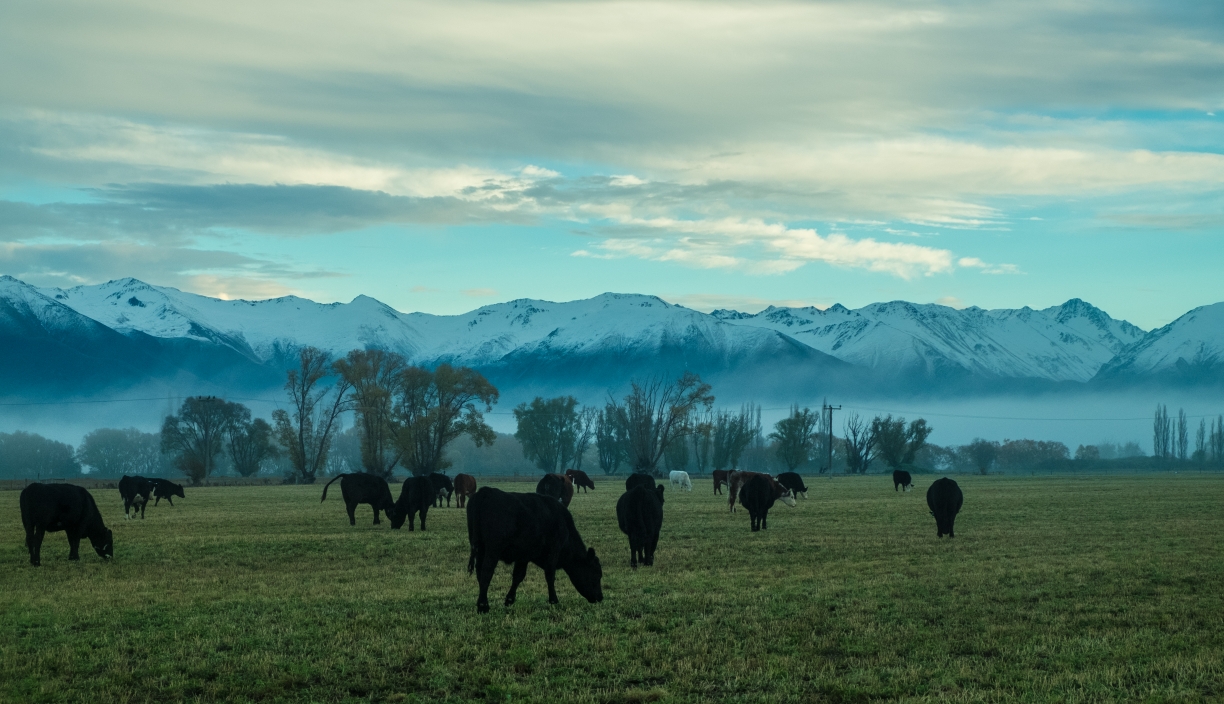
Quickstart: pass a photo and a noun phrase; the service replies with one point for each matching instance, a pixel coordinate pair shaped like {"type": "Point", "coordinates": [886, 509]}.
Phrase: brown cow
{"type": "Point", "coordinates": [465, 486]}
{"type": "Point", "coordinates": [558, 486]}
{"type": "Point", "coordinates": [720, 478]}
{"type": "Point", "coordinates": [581, 479]}
{"type": "Point", "coordinates": [737, 480]}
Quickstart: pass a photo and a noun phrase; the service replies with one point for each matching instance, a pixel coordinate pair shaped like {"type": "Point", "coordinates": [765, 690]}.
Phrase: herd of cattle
{"type": "Point", "coordinates": [514, 528]}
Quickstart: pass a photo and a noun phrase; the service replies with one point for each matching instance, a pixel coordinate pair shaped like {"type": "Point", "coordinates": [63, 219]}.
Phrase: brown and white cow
{"type": "Point", "coordinates": [558, 486]}
{"type": "Point", "coordinates": [465, 486]}
{"type": "Point", "coordinates": [737, 479]}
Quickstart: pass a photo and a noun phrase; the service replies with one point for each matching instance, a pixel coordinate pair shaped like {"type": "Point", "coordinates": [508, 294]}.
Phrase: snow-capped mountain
{"type": "Point", "coordinates": [115, 334]}
{"type": "Point", "coordinates": [1063, 343]}
{"type": "Point", "coordinates": [1187, 350]}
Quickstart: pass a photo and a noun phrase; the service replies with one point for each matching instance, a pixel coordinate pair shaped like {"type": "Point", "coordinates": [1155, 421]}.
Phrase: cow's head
{"type": "Point", "coordinates": [587, 575]}
{"type": "Point", "coordinates": [788, 498]}
{"type": "Point", "coordinates": [398, 514]}
{"type": "Point", "coordinates": [104, 544]}
{"type": "Point", "coordinates": [177, 490]}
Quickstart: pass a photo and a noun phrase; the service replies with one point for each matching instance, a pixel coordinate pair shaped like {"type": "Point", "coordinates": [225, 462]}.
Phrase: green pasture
{"type": "Point", "coordinates": [1069, 589]}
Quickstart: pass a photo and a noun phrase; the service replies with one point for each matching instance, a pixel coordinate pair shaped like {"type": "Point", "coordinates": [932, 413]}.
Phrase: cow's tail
{"type": "Point", "coordinates": [329, 484]}
{"type": "Point", "coordinates": [473, 535]}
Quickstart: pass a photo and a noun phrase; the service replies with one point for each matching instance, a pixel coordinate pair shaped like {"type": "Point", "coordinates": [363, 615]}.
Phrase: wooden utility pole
{"type": "Point", "coordinates": [827, 410]}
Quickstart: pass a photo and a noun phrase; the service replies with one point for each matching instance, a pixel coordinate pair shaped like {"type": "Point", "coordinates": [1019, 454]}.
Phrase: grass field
{"type": "Point", "coordinates": [1055, 589]}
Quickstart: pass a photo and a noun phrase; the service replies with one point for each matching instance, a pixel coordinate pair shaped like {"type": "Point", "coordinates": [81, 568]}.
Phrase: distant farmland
{"type": "Point", "coordinates": [1055, 588]}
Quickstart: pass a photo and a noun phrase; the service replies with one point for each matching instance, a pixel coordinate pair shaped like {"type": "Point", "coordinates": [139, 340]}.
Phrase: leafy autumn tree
{"type": "Point", "coordinates": [795, 437]}
{"type": "Point", "coordinates": [896, 443]}
{"type": "Point", "coordinates": [436, 407]}
{"type": "Point", "coordinates": [374, 377]}
{"type": "Point", "coordinates": [553, 433]}
{"type": "Point", "coordinates": [305, 431]}
{"type": "Point", "coordinates": [112, 452]}
{"type": "Point", "coordinates": [195, 436]}
{"type": "Point", "coordinates": [250, 443]}
{"type": "Point", "coordinates": [656, 413]}
{"type": "Point", "coordinates": [982, 453]}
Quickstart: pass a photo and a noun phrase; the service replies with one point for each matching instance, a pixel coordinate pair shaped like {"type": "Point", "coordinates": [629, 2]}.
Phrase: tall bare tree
{"type": "Point", "coordinates": [860, 444]}
{"type": "Point", "coordinates": [305, 431]}
{"type": "Point", "coordinates": [733, 433]}
{"type": "Point", "coordinates": [1162, 432]}
{"type": "Point", "coordinates": [374, 376]}
{"type": "Point", "coordinates": [1183, 435]}
{"type": "Point", "coordinates": [702, 432]}
{"type": "Point", "coordinates": [436, 407]}
{"type": "Point", "coordinates": [656, 413]}
{"type": "Point", "coordinates": [795, 436]}
{"type": "Point", "coordinates": [611, 438]}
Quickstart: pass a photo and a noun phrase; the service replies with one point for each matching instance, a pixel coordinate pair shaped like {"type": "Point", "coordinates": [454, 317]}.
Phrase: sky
{"type": "Point", "coordinates": [442, 156]}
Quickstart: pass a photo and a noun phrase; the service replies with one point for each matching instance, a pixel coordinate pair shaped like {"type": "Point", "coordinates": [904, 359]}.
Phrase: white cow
{"type": "Point", "coordinates": [682, 480]}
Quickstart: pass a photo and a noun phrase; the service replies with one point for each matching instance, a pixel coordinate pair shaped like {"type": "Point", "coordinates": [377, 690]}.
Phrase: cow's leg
{"type": "Point", "coordinates": [375, 513]}
{"type": "Point", "coordinates": [424, 510]}
{"type": "Point", "coordinates": [143, 504]}
{"type": "Point", "coordinates": [74, 545]}
{"type": "Point", "coordinates": [352, 512]}
{"type": "Point", "coordinates": [411, 520]}
{"type": "Point", "coordinates": [654, 544]}
{"type": "Point", "coordinates": [484, 575]}
{"type": "Point", "coordinates": [34, 540]}
{"type": "Point", "coordinates": [127, 506]}
{"type": "Point", "coordinates": [764, 521]}
{"type": "Point", "coordinates": [520, 572]}
{"type": "Point", "coordinates": [550, 576]}
{"type": "Point", "coordinates": [633, 553]}
{"type": "Point", "coordinates": [156, 500]}
{"type": "Point", "coordinates": [170, 499]}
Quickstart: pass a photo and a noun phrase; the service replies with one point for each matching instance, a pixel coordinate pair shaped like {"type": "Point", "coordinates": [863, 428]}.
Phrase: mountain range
{"type": "Point", "coordinates": [127, 334]}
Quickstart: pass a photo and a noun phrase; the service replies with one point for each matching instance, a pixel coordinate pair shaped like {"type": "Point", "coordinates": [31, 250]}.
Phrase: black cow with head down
{"type": "Point", "coordinates": [901, 478]}
{"type": "Point", "coordinates": [443, 489]}
{"type": "Point", "coordinates": [360, 488]}
{"type": "Point", "coordinates": [944, 498]}
{"type": "Point", "coordinates": [416, 496]}
{"type": "Point", "coordinates": [135, 492]}
{"type": "Point", "coordinates": [528, 528]}
{"type": "Point", "coordinates": [49, 508]}
{"type": "Point", "coordinates": [639, 513]}
{"type": "Point", "coordinates": [794, 482]}
{"type": "Point", "coordinates": [641, 479]}
{"type": "Point", "coordinates": [166, 489]}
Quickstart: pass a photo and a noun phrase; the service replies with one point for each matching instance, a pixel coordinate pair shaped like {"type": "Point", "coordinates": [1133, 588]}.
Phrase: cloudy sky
{"type": "Point", "coordinates": [446, 155]}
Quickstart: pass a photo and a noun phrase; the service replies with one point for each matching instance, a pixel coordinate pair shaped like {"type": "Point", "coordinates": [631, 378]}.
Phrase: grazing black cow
{"type": "Point", "coordinates": [166, 489]}
{"type": "Point", "coordinates": [48, 508]}
{"type": "Point", "coordinates": [581, 480]}
{"type": "Point", "coordinates": [944, 498]}
{"type": "Point", "coordinates": [639, 512]}
{"type": "Point", "coordinates": [360, 488]}
{"type": "Point", "coordinates": [135, 492]}
{"type": "Point", "coordinates": [416, 497]}
{"type": "Point", "coordinates": [558, 486]}
{"type": "Point", "coordinates": [443, 488]}
{"type": "Point", "coordinates": [720, 477]}
{"type": "Point", "coordinates": [639, 479]}
{"type": "Point", "coordinates": [901, 479]}
{"type": "Point", "coordinates": [757, 494]}
{"type": "Point", "coordinates": [794, 482]}
{"type": "Point", "coordinates": [528, 528]}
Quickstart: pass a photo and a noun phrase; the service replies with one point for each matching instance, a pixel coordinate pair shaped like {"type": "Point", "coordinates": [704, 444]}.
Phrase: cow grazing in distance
{"type": "Point", "coordinates": [639, 479]}
{"type": "Point", "coordinates": [737, 480]}
{"type": "Point", "coordinates": [581, 480]}
{"type": "Point", "coordinates": [166, 489]}
{"type": "Point", "coordinates": [465, 486]}
{"type": "Point", "coordinates": [557, 486]}
{"type": "Point", "coordinates": [901, 479]}
{"type": "Point", "coordinates": [639, 513]}
{"type": "Point", "coordinates": [944, 498]}
{"type": "Point", "coordinates": [416, 496]}
{"type": "Point", "coordinates": [528, 528]}
{"type": "Point", "coordinates": [135, 492]}
{"type": "Point", "coordinates": [681, 479]}
{"type": "Point", "coordinates": [720, 478]}
{"type": "Point", "coordinates": [360, 488]}
{"type": "Point", "coordinates": [443, 488]}
{"type": "Point", "coordinates": [758, 494]}
{"type": "Point", "coordinates": [794, 482]}
{"type": "Point", "coordinates": [49, 508]}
